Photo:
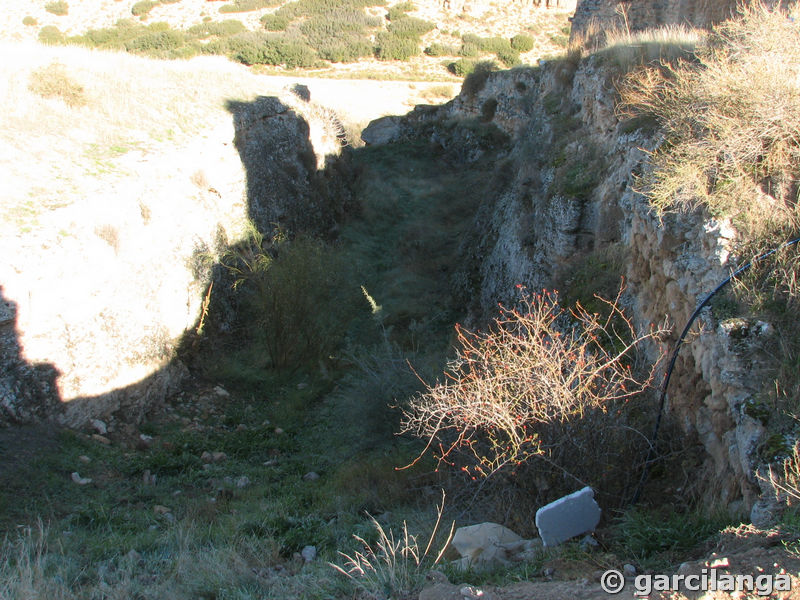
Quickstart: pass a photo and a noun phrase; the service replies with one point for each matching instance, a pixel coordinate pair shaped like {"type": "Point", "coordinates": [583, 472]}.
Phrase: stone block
{"type": "Point", "coordinates": [572, 515]}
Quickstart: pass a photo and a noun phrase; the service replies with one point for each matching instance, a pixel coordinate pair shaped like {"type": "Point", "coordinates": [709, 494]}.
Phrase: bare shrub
{"type": "Point", "coordinates": [537, 366]}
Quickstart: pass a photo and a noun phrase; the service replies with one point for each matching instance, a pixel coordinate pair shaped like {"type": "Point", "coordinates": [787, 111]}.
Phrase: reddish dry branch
{"type": "Point", "coordinates": [538, 364]}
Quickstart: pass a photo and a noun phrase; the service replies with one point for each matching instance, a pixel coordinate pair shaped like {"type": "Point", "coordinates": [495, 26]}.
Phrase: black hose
{"type": "Point", "coordinates": [663, 393]}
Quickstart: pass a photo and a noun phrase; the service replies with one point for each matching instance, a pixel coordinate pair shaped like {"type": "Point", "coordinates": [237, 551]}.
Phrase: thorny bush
{"type": "Point", "coordinates": [538, 365]}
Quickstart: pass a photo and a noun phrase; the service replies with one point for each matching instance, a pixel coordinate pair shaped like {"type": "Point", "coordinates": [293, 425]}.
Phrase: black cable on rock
{"type": "Point", "coordinates": [663, 392]}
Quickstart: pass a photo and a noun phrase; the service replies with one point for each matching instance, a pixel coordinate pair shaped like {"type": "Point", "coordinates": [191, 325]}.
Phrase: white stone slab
{"type": "Point", "coordinates": [567, 517]}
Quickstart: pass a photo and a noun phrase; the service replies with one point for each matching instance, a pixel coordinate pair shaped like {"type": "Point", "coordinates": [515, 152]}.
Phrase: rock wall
{"type": "Point", "coordinates": [566, 194]}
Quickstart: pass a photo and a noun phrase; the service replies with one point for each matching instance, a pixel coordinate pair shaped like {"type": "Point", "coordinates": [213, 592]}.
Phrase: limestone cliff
{"type": "Point", "coordinates": [564, 207]}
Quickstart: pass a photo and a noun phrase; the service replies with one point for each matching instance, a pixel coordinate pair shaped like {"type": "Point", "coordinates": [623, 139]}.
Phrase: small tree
{"type": "Point", "coordinates": [539, 364]}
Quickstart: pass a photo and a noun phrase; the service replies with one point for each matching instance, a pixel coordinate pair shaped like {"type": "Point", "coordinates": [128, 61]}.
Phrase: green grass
{"type": "Point", "coordinates": [213, 538]}
{"type": "Point", "coordinates": [412, 202]}
{"type": "Point", "coordinates": [659, 540]}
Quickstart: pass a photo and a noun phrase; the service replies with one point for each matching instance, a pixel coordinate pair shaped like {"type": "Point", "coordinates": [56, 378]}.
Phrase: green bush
{"type": "Point", "coordinates": [345, 50]}
{"type": "Point", "coordinates": [301, 8]}
{"type": "Point", "coordinates": [522, 42]}
{"type": "Point", "coordinates": [115, 37]}
{"type": "Point", "coordinates": [219, 29]}
{"type": "Point", "coordinates": [101, 38]}
{"type": "Point", "coordinates": [273, 22]}
{"type": "Point", "coordinates": [143, 7]}
{"type": "Point", "coordinates": [29, 20]}
{"type": "Point", "coordinates": [494, 44]}
{"type": "Point", "coordinates": [340, 35]}
{"type": "Point", "coordinates": [410, 27]}
{"type": "Point", "coordinates": [216, 46]}
{"type": "Point", "coordinates": [399, 11]}
{"type": "Point", "coordinates": [501, 47]}
{"type": "Point", "coordinates": [462, 67]}
{"type": "Point", "coordinates": [51, 35]}
{"type": "Point", "coordinates": [470, 50]}
{"type": "Point", "coordinates": [509, 57]}
{"type": "Point", "coordinates": [441, 50]}
{"type": "Point", "coordinates": [299, 304]}
{"type": "Point", "coordinates": [394, 47]}
{"type": "Point", "coordinates": [254, 48]}
{"type": "Point", "coordinates": [336, 23]}
{"type": "Point", "coordinates": [156, 42]}
{"type": "Point", "coordinates": [59, 8]}
{"type": "Point", "coordinates": [238, 6]}
{"type": "Point", "coordinates": [476, 79]}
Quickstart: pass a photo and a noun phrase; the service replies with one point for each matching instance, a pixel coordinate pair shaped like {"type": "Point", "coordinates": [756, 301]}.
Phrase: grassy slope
{"type": "Point", "coordinates": [220, 540]}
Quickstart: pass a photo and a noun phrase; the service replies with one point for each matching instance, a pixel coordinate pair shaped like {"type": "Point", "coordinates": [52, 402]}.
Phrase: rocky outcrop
{"type": "Point", "coordinates": [566, 198]}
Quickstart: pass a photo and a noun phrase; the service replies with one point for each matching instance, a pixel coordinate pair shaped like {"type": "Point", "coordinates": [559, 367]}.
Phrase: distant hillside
{"type": "Point", "coordinates": [355, 38]}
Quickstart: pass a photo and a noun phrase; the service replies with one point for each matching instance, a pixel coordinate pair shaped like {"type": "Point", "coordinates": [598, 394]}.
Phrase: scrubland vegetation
{"type": "Point", "coordinates": [300, 34]}
{"type": "Point", "coordinates": [340, 343]}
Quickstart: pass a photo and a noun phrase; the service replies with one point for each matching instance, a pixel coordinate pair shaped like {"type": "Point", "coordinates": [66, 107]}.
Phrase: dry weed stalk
{"type": "Point", "coordinates": [786, 482]}
{"type": "Point", "coordinates": [538, 364]}
{"type": "Point", "coordinates": [393, 566]}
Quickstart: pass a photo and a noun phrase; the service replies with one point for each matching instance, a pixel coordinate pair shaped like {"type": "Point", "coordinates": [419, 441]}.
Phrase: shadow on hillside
{"type": "Point", "coordinates": [285, 191]}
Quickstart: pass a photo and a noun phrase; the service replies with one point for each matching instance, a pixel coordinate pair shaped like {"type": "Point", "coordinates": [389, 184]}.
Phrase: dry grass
{"type": "Point", "coordinates": [437, 93]}
{"type": "Point", "coordinates": [662, 45]}
{"type": "Point", "coordinates": [71, 116]}
{"type": "Point", "coordinates": [731, 121]}
{"type": "Point", "coordinates": [537, 365]}
{"type": "Point", "coordinates": [111, 104]}
{"type": "Point", "coordinates": [731, 147]}
{"type": "Point", "coordinates": [393, 565]}
{"type": "Point", "coordinates": [787, 480]}
{"type": "Point", "coordinates": [53, 81]}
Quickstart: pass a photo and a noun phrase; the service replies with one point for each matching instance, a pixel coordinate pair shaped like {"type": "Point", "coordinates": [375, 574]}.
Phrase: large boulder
{"type": "Point", "coordinates": [489, 544]}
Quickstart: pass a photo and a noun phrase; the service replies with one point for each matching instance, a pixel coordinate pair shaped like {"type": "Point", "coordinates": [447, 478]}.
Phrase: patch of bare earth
{"type": "Point", "coordinates": [747, 553]}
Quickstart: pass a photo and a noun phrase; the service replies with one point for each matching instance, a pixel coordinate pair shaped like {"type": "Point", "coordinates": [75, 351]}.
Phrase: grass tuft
{"type": "Point", "coordinates": [392, 566]}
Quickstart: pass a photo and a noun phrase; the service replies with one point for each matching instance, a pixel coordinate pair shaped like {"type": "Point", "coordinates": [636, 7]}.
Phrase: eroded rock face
{"type": "Point", "coordinates": [567, 191]}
